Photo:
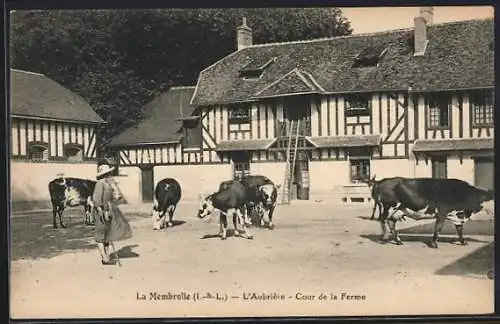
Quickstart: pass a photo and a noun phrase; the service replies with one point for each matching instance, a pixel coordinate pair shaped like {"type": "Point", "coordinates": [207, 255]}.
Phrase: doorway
{"type": "Point", "coordinates": [301, 176]}
{"type": "Point", "coordinates": [147, 177]}
{"type": "Point", "coordinates": [298, 108]}
{"type": "Point", "coordinates": [484, 173]}
{"type": "Point", "coordinates": [439, 167]}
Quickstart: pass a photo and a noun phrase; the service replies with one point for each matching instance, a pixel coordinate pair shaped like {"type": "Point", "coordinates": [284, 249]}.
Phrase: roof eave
{"type": "Point", "coordinates": [58, 119]}
{"type": "Point", "coordinates": [143, 143]}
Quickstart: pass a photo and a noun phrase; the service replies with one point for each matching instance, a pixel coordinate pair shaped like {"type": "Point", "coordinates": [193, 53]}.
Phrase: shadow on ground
{"type": "Point", "coordinates": [126, 252]}
{"type": "Point", "coordinates": [33, 236]}
{"type": "Point", "coordinates": [479, 262]}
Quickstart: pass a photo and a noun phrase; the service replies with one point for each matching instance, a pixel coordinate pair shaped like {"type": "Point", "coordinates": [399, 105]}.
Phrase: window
{"type": "Point", "coordinates": [38, 152]}
{"type": "Point", "coordinates": [239, 113]}
{"type": "Point", "coordinates": [438, 106]}
{"type": "Point", "coordinates": [357, 105]}
{"type": "Point", "coordinates": [191, 133]}
{"type": "Point", "coordinates": [360, 169]}
{"type": "Point", "coordinates": [482, 107]}
{"type": "Point", "coordinates": [241, 161]}
{"type": "Point", "coordinates": [370, 56]}
{"type": "Point", "coordinates": [255, 68]}
{"type": "Point", "coordinates": [73, 152]}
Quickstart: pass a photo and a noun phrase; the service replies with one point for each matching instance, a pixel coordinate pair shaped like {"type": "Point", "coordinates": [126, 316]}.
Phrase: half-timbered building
{"type": "Point", "coordinates": [53, 131]}
{"type": "Point", "coordinates": [319, 115]}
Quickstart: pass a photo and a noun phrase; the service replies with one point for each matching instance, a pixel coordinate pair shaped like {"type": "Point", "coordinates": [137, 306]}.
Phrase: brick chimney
{"type": "Point", "coordinates": [244, 35]}
{"type": "Point", "coordinates": [421, 23]}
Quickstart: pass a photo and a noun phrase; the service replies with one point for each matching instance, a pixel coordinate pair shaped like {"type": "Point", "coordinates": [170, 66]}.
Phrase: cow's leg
{"type": "Point", "coordinates": [54, 213]}
{"type": "Point", "coordinates": [223, 222]}
{"type": "Point", "coordinates": [440, 218]}
{"type": "Point", "coordinates": [392, 225]}
{"type": "Point", "coordinates": [460, 233]}
{"type": "Point", "coordinates": [270, 216]}
{"type": "Point", "coordinates": [60, 212]}
{"type": "Point", "coordinates": [383, 224]}
{"type": "Point", "coordinates": [246, 232]}
{"type": "Point", "coordinates": [171, 211]}
{"type": "Point", "coordinates": [260, 212]}
{"type": "Point", "coordinates": [375, 204]}
{"type": "Point", "coordinates": [236, 219]}
{"type": "Point", "coordinates": [247, 214]}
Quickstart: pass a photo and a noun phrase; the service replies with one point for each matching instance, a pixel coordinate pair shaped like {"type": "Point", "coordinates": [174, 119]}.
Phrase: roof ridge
{"type": "Point", "coordinates": [322, 39]}
{"type": "Point", "coordinates": [27, 72]}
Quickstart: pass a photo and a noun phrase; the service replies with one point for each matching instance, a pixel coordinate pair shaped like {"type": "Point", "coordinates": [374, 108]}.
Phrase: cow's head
{"type": "Point", "coordinates": [268, 193]}
{"type": "Point", "coordinates": [482, 202]}
{"type": "Point", "coordinates": [206, 207]}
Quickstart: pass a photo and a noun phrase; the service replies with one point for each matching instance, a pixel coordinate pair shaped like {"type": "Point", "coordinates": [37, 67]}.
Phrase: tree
{"type": "Point", "coordinates": [118, 60]}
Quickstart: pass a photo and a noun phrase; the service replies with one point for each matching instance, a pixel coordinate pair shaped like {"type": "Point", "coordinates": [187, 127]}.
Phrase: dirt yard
{"type": "Point", "coordinates": [319, 260]}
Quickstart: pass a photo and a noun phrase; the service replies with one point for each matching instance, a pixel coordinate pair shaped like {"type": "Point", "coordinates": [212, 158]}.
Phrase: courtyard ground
{"type": "Point", "coordinates": [323, 259]}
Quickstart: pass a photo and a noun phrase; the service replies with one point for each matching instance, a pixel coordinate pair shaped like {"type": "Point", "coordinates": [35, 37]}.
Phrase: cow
{"type": "Point", "coordinates": [71, 192]}
{"type": "Point", "coordinates": [377, 188]}
{"type": "Point", "coordinates": [230, 201]}
{"type": "Point", "coordinates": [442, 199]}
{"type": "Point", "coordinates": [166, 197]}
{"type": "Point", "coordinates": [262, 195]}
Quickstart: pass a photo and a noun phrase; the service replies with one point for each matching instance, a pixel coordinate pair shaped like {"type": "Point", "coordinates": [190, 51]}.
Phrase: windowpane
{"type": "Point", "coordinates": [357, 105]}
{"type": "Point", "coordinates": [192, 134]}
{"type": "Point", "coordinates": [239, 113]}
{"type": "Point", "coordinates": [360, 169]}
{"type": "Point", "coordinates": [482, 103]}
{"type": "Point", "coordinates": [438, 106]}
{"type": "Point", "coordinates": [39, 153]}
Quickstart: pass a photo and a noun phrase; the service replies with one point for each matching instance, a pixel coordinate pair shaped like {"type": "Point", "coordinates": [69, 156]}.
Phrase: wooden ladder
{"type": "Point", "coordinates": [293, 139]}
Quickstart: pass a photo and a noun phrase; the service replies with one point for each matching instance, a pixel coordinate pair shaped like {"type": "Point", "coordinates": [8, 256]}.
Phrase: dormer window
{"type": "Point", "coordinates": [239, 113]}
{"type": "Point", "coordinates": [255, 68]}
{"type": "Point", "coordinates": [191, 132]}
{"type": "Point", "coordinates": [73, 152]}
{"type": "Point", "coordinates": [38, 151]}
{"type": "Point", "coordinates": [358, 104]}
{"type": "Point", "coordinates": [370, 56]}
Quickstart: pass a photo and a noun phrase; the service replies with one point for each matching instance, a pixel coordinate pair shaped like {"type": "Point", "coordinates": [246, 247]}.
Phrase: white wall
{"type": "Point", "coordinates": [273, 170]}
{"type": "Point", "coordinates": [129, 183]}
{"type": "Point", "coordinates": [29, 181]}
{"type": "Point", "coordinates": [195, 179]}
{"type": "Point", "coordinates": [388, 168]}
{"type": "Point", "coordinates": [463, 171]}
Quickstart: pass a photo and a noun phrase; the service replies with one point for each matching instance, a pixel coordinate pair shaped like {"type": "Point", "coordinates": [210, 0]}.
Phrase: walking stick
{"type": "Point", "coordinates": [116, 254]}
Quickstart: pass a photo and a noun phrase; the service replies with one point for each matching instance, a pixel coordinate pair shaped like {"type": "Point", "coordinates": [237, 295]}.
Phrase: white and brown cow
{"type": "Point", "coordinates": [71, 192]}
{"type": "Point", "coordinates": [167, 195]}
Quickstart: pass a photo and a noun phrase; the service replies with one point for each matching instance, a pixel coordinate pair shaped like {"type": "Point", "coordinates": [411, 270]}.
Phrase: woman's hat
{"type": "Point", "coordinates": [103, 170]}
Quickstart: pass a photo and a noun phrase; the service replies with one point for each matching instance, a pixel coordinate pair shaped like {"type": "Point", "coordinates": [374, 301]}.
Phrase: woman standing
{"type": "Point", "coordinates": [110, 223]}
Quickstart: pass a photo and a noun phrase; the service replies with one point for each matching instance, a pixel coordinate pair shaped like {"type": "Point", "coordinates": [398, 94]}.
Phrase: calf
{"type": "Point", "coordinates": [167, 195]}
{"type": "Point", "coordinates": [262, 195]}
{"type": "Point", "coordinates": [71, 192]}
{"type": "Point", "coordinates": [441, 199]}
{"type": "Point", "coordinates": [229, 201]}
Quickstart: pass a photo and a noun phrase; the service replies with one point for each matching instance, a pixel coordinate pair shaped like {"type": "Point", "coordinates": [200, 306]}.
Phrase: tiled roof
{"type": "Point", "coordinates": [244, 145]}
{"type": "Point", "coordinates": [345, 141]}
{"type": "Point", "coordinates": [459, 55]}
{"type": "Point", "coordinates": [36, 95]}
{"type": "Point", "coordinates": [161, 123]}
{"type": "Point", "coordinates": [470, 144]}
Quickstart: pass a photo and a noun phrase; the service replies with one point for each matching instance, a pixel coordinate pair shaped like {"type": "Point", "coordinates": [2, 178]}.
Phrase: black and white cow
{"type": "Point", "coordinates": [230, 201]}
{"type": "Point", "coordinates": [442, 199]}
{"type": "Point", "coordinates": [262, 195]}
{"type": "Point", "coordinates": [71, 192]}
{"type": "Point", "coordinates": [167, 195]}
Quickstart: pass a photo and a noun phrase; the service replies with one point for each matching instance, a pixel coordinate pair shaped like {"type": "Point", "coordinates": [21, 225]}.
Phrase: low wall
{"type": "Point", "coordinates": [29, 181]}
{"type": "Point", "coordinates": [195, 179]}
{"type": "Point", "coordinates": [130, 184]}
{"type": "Point", "coordinates": [275, 171]}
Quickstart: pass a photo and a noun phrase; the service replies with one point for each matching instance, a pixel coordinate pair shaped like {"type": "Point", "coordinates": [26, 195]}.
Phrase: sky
{"type": "Point", "coordinates": [369, 20]}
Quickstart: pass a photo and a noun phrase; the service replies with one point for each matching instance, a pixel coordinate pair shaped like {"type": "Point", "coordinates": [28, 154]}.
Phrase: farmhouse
{"type": "Point", "coordinates": [319, 115]}
{"type": "Point", "coordinates": [53, 131]}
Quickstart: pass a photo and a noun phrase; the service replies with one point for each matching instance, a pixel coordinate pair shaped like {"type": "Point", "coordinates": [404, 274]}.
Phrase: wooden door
{"type": "Point", "coordinates": [147, 177]}
{"type": "Point", "coordinates": [439, 167]}
{"type": "Point", "coordinates": [301, 176]}
{"type": "Point", "coordinates": [484, 173]}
